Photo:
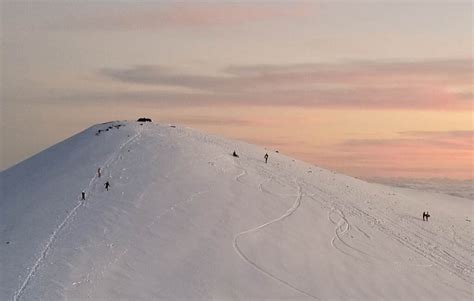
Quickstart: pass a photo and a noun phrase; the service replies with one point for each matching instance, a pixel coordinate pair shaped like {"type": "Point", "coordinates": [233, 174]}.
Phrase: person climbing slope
{"type": "Point", "coordinates": [83, 196]}
{"type": "Point", "coordinates": [99, 173]}
{"type": "Point", "coordinates": [266, 158]}
{"type": "Point", "coordinates": [107, 185]}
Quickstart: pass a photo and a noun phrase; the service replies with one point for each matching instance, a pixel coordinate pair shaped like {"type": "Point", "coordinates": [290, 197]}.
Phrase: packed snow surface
{"type": "Point", "coordinates": [184, 219]}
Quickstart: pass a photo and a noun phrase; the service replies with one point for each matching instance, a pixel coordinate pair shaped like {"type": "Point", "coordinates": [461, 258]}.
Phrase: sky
{"type": "Point", "coordinates": [373, 89]}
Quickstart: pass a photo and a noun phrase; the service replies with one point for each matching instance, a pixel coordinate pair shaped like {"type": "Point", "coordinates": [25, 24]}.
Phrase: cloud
{"type": "Point", "coordinates": [417, 154]}
{"type": "Point", "coordinates": [201, 14]}
{"type": "Point", "coordinates": [146, 15]}
{"type": "Point", "coordinates": [211, 121]}
{"type": "Point", "coordinates": [435, 134]}
{"type": "Point", "coordinates": [450, 140]}
{"type": "Point", "coordinates": [431, 85]}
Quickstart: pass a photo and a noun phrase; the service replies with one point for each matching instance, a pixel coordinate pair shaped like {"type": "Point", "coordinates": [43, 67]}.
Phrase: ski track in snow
{"type": "Point", "coordinates": [341, 229]}
{"type": "Point", "coordinates": [243, 173]}
{"type": "Point", "coordinates": [172, 208]}
{"type": "Point", "coordinates": [111, 159]}
{"type": "Point", "coordinates": [92, 277]}
{"type": "Point", "coordinates": [242, 255]}
{"type": "Point", "coordinates": [460, 245]}
{"type": "Point", "coordinates": [428, 246]}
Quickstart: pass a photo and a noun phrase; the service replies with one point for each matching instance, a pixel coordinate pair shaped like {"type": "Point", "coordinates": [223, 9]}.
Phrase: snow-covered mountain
{"type": "Point", "coordinates": [184, 219]}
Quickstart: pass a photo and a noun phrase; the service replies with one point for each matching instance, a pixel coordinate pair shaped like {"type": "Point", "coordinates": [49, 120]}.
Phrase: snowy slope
{"type": "Point", "coordinates": [183, 219]}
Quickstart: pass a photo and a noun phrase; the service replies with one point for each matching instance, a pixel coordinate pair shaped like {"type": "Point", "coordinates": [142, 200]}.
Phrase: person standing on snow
{"type": "Point", "coordinates": [107, 185]}
{"type": "Point", "coordinates": [266, 158]}
{"type": "Point", "coordinates": [83, 196]}
{"type": "Point", "coordinates": [99, 173]}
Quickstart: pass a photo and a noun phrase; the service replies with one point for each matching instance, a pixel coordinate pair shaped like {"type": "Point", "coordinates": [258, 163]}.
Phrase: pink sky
{"type": "Point", "coordinates": [371, 89]}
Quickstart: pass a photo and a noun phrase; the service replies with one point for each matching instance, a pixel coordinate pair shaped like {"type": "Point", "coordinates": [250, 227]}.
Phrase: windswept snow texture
{"type": "Point", "coordinates": [183, 219]}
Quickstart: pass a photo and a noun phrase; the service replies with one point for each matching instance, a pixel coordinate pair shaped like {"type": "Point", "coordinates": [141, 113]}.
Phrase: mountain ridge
{"type": "Point", "coordinates": [185, 219]}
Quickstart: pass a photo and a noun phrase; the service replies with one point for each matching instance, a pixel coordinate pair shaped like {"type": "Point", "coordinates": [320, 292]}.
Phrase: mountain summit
{"type": "Point", "coordinates": [184, 219]}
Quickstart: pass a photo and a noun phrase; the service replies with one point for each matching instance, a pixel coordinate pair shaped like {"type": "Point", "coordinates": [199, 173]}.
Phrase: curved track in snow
{"type": "Point", "coordinates": [243, 173]}
{"type": "Point", "coordinates": [242, 255]}
{"type": "Point", "coordinates": [342, 227]}
{"type": "Point", "coordinates": [428, 245]}
{"type": "Point", "coordinates": [110, 160]}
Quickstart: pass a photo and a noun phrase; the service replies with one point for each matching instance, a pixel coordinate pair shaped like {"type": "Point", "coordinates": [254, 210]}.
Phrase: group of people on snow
{"type": "Point", "coordinates": [234, 154]}
{"type": "Point", "coordinates": [106, 184]}
{"type": "Point", "coordinates": [426, 215]}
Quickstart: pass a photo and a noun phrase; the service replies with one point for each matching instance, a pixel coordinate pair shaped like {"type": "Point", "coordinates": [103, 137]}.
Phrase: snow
{"type": "Point", "coordinates": [183, 219]}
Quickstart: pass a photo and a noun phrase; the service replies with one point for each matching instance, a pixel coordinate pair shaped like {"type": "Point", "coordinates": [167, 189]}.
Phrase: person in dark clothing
{"type": "Point", "coordinates": [266, 158]}
{"type": "Point", "coordinates": [235, 154]}
{"type": "Point", "coordinates": [99, 172]}
{"type": "Point", "coordinates": [83, 196]}
{"type": "Point", "coordinates": [424, 216]}
{"type": "Point", "coordinates": [107, 185]}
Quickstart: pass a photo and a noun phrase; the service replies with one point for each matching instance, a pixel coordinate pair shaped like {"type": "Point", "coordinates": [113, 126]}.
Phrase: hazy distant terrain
{"type": "Point", "coordinates": [458, 188]}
